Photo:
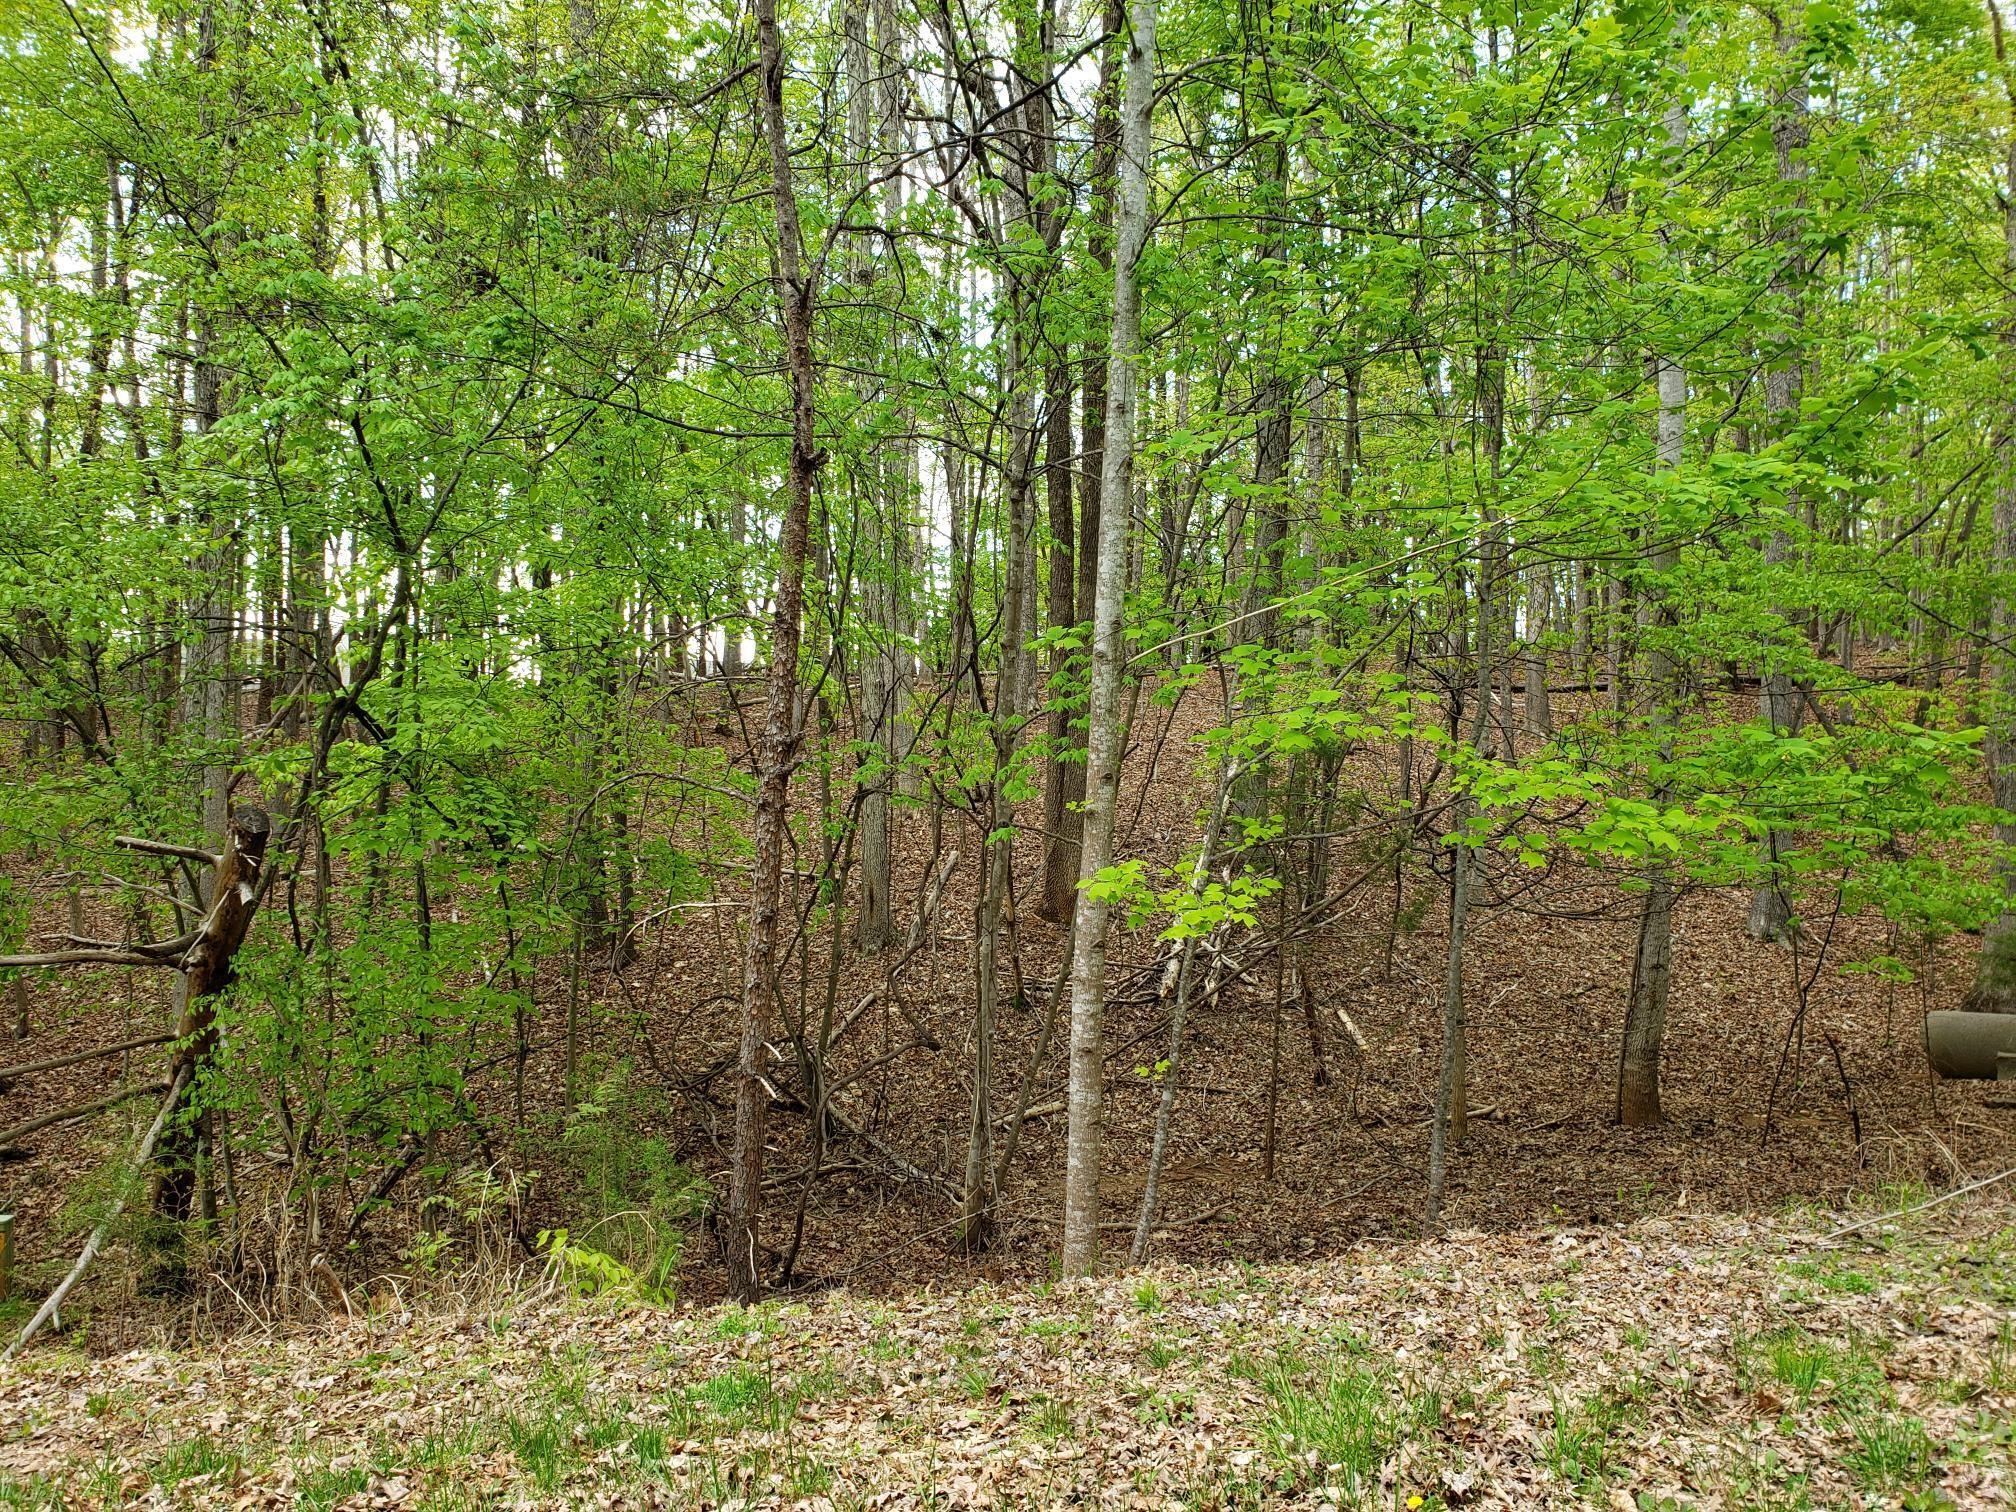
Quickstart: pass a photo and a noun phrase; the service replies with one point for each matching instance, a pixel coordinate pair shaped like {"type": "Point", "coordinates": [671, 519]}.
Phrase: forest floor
{"type": "Point", "coordinates": [1682, 1361]}
{"type": "Point", "coordinates": [1302, 1129]}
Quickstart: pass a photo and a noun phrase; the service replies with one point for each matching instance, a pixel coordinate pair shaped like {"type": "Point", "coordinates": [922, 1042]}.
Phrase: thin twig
{"type": "Point", "coordinates": [97, 1240]}
{"type": "Point", "coordinates": [1918, 1207]}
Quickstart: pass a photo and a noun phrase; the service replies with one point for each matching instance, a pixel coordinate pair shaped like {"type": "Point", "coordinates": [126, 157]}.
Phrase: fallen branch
{"type": "Point", "coordinates": [1351, 1028]}
{"type": "Point", "coordinates": [406, 1157]}
{"type": "Point", "coordinates": [1172, 1223]}
{"type": "Point", "coordinates": [1918, 1207]}
{"type": "Point", "coordinates": [97, 1240]}
{"type": "Point", "coordinates": [9, 1073]}
{"type": "Point", "coordinates": [163, 848]}
{"type": "Point", "coordinates": [903, 1167]}
{"type": "Point", "coordinates": [86, 958]}
{"type": "Point", "coordinates": [81, 1110]}
{"type": "Point", "coordinates": [1041, 1110]}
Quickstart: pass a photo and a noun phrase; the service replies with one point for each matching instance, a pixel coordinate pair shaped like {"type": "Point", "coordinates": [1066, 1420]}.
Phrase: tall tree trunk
{"type": "Point", "coordinates": [1779, 703]}
{"type": "Point", "coordinates": [778, 744]}
{"type": "Point", "coordinates": [1063, 853]}
{"type": "Point", "coordinates": [209, 692]}
{"type": "Point", "coordinates": [998, 851]}
{"type": "Point", "coordinates": [1994, 988]}
{"type": "Point", "coordinates": [1539, 576]}
{"type": "Point", "coordinates": [1105, 745]}
{"type": "Point", "coordinates": [1060, 835]}
{"type": "Point", "coordinates": [875, 927]}
{"type": "Point", "coordinates": [1452, 1091]}
{"type": "Point", "coordinates": [1652, 963]}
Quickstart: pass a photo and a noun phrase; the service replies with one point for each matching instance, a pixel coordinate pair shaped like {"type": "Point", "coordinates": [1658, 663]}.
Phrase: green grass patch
{"type": "Point", "coordinates": [1584, 1445]}
{"type": "Point", "coordinates": [1343, 1412]}
{"type": "Point", "coordinates": [193, 1458]}
{"type": "Point", "coordinates": [1833, 1276]}
{"type": "Point", "coordinates": [34, 1494]}
{"type": "Point", "coordinates": [1890, 1453]}
{"type": "Point", "coordinates": [323, 1487]}
{"type": "Point", "coordinates": [540, 1443]}
{"type": "Point", "coordinates": [740, 1395]}
{"type": "Point", "coordinates": [1810, 1366]}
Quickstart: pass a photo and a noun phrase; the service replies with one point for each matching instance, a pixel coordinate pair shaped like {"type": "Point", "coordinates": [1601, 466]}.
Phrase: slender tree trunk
{"type": "Point", "coordinates": [1452, 1091]}
{"type": "Point", "coordinates": [875, 927]}
{"type": "Point", "coordinates": [1779, 703]}
{"type": "Point", "coordinates": [1062, 857]}
{"type": "Point", "coordinates": [1994, 987]}
{"type": "Point", "coordinates": [209, 692]}
{"type": "Point", "coordinates": [1272, 438]}
{"type": "Point", "coordinates": [1060, 836]}
{"type": "Point", "coordinates": [998, 852]}
{"type": "Point", "coordinates": [778, 746]}
{"type": "Point", "coordinates": [1104, 738]}
{"type": "Point", "coordinates": [1652, 963]}
{"type": "Point", "coordinates": [732, 622]}
{"type": "Point", "coordinates": [1539, 579]}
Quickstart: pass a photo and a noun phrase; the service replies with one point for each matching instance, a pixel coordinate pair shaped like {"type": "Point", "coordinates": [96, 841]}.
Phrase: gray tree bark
{"type": "Point", "coordinates": [778, 749]}
{"type": "Point", "coordinates": [1652, 963]}
{"type": "Point", "coordinates": [1779, 702]}
{"type": "Point", "coordinates": [1105, 743]}
{"type": "Point", "coordinates": [1994, 987]}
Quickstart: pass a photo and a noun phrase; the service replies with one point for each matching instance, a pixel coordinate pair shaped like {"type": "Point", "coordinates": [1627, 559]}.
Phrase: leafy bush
{"type": "Point", "coordinates": [634, 1196]}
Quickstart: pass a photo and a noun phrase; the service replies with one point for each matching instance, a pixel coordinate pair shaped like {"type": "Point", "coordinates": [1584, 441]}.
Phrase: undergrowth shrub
{"type": "Point", "coordinates": [634, 1197]}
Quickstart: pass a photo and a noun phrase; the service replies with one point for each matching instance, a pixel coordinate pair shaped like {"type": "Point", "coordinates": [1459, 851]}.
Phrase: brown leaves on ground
{"type": "Point", "coordinates": [1688, 1361]}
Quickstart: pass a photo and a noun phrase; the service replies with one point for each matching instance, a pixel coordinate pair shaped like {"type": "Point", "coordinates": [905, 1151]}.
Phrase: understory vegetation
{"type": "Point", "coordinates": [672, 652]}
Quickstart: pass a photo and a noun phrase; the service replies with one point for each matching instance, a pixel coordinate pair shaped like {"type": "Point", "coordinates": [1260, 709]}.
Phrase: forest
{"type": "Point", "coordinates": [662, 654]}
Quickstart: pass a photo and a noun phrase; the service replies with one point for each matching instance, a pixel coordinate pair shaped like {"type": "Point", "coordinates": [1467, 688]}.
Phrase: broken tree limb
{"type": "Point", "coordinates": [927, 909]}
{"type": "Point", "coordinates": [51, 1063]}
{"type": "Point", "coordinates": [208, 969]}
{"type": "Point", "coordinates": [1041, 1110]}
{"type": "Point", "coordinates": [1171, 1223]}
{"type": "Point", "coordinates": [919, 935]}
{"type": "Point", "coordinates": [406, 1157]}
{"type": "Point", "coordinates": [97, 1240]}
{"type": "Point", "coordinates": [83, 950]}
{"type": "Point", "coordinates": [111, 1099]}
{"type": "Point", "coordinates": [163, 848]}
{"type": "Point", "coordinates": [902, 1166]}
{"type": "Point", "coordinates": [88, 957]}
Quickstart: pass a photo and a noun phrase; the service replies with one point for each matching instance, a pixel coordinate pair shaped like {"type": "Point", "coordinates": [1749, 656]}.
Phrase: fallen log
{"type": "Point", "coordinates": [133, 957]}
{"type": "Point", "coordinates": [71, 1114]}
{"type": "Point", "coordinates": [54, 1062]}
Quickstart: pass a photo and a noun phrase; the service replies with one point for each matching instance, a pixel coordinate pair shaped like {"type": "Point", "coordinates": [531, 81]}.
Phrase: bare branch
{"type": "Point", "coordinates": [164, 848]}
{"type": "Point", "coordinates": [97, 1240]}
{"type": "Point", "coordinates": [111, 1099]}
{"type": "Point", "coordinates": [11, 1073]}
{"type": "Point", "coordinates": [132, 957]}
